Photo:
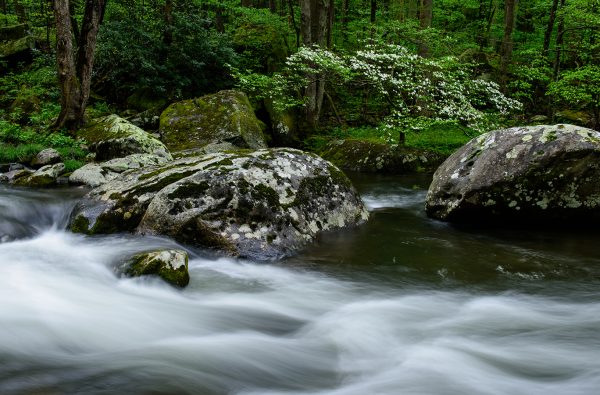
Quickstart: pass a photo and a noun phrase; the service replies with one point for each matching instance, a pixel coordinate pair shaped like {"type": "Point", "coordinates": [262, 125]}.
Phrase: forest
{"type": "Point", "coordinates": [431, 74]}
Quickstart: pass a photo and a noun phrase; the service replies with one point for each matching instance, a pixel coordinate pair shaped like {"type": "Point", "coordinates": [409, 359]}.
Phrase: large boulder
{"type": "Point", "coordinates": [373, 157]}
{"type": "Point", "coordinates": [45, 176]}
{"type": "Point", "coordinates": [170, 265]}
{"type": "Point", "coordinates": [48, 156]}
{"type": "Point", "coordinates": [113, 137]}
{"type": "Point", "coordinates": [226, 116]}
{"type": "Point", "coordinates": [531, 175]}
{"type": "Point", "coordinates": [262, 204]}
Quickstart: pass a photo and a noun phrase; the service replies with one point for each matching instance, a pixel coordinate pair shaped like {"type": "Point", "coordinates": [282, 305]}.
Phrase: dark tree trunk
{"type": "Point", "coordinates": [3, 6]}
{"type": "Point", "coordinates": [345, 10]}
{"type": "Point", "coordinates": [425, 17]}
{"type": "Point", "coordinates": [316, 30]}
{"type": "Point", "coordinates": [20, 12]}
{"type": "Point", "coordinates": [560, 32]}
{"type": "Point", "coordinates": [168, 18]}
{"type": "Point", "coordinates": [507, 44]}
{"type": "Point", "coordinates": [373, 11]}
{"type": "Point", "coordinates": [550, 26]}
{"type": "Point", "coordinates": [293, 22]}
{"type": "Point", "coordinates": [75, 63]}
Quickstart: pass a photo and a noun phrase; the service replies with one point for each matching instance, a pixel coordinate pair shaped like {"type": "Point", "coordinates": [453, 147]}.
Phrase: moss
{"type": "Point", "coordinates": [80, 224]}
{"type": "Point", "coordinates": [266, 193]}
{"type": "Point", "coordinates": [189, 189]}
{"type": "Point", "coordinates": [162, 182]}
{"type": "Point", "coordinates": [143, 265]}
{"type": "Point", "coordinates": [221, 163]}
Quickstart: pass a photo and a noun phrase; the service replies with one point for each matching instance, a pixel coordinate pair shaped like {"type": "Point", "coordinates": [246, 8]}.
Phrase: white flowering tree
{"type": "Point", "coordinates": [408, 90]}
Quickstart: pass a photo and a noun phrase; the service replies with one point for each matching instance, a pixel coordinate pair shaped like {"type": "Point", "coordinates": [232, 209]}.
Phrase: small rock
{"type": "Point", "coordinates": [90, 174]}
{"type": "Point", "coordinates": [44, 176]}
{"type": "Point", "coordinates": [170, 265]}
{"type": "Point", "coordinates": [49, 156]}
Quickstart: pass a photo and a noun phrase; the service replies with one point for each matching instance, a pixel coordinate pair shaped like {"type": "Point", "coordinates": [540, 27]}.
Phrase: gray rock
{"type": "Point", "coordinates": [96, 174]}
{"type": "Point", "coordinates": [170, 265]}
{"type": "Point", "coordinates": [13, 175]}
{"type": "Point", "coordinates": [113, 137]}
{"type": "Point", "coordinates": [262, 204]}
{"type": "Point", "coordinates": [44, 176]}
{"type": "Point", "coordinates": [536, 174]}
{"type": "Point", "coordinates": [226, 116]}
{"type": "Point", "coordinates": [49, 156]}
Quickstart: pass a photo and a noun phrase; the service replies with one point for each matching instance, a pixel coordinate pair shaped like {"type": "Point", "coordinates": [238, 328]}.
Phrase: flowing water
{"type": "Point", "coordinates": [403, 305]}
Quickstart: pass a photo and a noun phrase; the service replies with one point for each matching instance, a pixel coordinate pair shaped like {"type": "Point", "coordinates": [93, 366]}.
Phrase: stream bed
{"type": "Point", "coordinates": [404, 305]}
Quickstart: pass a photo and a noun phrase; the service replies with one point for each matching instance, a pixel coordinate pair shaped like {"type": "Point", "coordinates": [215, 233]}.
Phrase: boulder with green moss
{"type": "Point", "coordinates": [261, 204]}
{"type": "Point", "coordinates": [170, 265]}
{"type": "Point", "coordinates": [226, 116]}
{"type": "Point", "coordinates": [113, 137]}
{"type": "Point", "coordinates": [532, 175]}
{"type": "Point", "coordinates": [375, 157]}
{"type": "Point", "coordinates": [45, 176]}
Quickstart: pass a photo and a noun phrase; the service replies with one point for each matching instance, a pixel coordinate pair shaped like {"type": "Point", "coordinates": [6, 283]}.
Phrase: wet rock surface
{"type": "Point", "coordinates": [526, 175]}
{"type": "Point", "coordinates": [262, 204]}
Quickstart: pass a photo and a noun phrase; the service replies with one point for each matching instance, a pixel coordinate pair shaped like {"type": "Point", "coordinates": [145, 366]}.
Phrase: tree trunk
{"type": "Point", "coordinates": [3, 6]}
{"type": "Point", "coordinates": [75, 65]}
{"type": "Point", "coordinates": [507, 44]}
{"type": "Point", "coordinates": [560, 32]}
{"type": "Point", "coordinates": [425, 17]}
{"type": "Point", "coordinates": [20, 12]}
{"type": "Point", "coordinates": [293, 22]}
{"type": "Point", "coordinates": [345, 10]}
{"type": "Point", "coordinates": [550, 26]}
{"type": "Point", "coordinates": [168, 18]}
{"type": "Point", "coordinates": [316, 30]}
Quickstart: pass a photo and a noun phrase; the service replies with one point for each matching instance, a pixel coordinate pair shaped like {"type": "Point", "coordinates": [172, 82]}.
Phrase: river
{"type": "Point", "coordinates": [403, 305]}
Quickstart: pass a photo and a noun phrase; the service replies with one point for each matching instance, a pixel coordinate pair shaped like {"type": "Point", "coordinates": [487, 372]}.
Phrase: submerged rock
{"type": "Point", "coordinates": [170, 265]}
{"type": "Point", "coordinates": [226, 116]}
{"type": "Point", "coordinates": [372, 157]}
{"type": "Point", "coordinates": [113, 137]}
{"type": "Point", "coordinates": [262, 204]}
{"type": "Point", "coordinates": [536, 174]}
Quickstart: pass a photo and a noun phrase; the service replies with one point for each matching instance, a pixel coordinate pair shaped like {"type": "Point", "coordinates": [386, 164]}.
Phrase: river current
{"type": "Point", "coordinates": [401, 306]}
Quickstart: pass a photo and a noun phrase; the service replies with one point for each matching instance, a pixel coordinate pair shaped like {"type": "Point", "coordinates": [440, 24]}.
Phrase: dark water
{"type": "Point", "coordinates": [403, 305]}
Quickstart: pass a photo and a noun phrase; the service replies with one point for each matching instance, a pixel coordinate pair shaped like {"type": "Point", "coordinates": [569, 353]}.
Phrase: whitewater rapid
{"type": "Point", "coordinates": [69, 325]}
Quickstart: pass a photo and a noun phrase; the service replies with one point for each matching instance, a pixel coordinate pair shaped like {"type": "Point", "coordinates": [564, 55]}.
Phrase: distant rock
{"type": "Point", "coordinates": [113, 137]}
{"type": "Point", "coordinates": [531, 175]}
{"type": "Point", "coordinates": [49, 156]}
{"type": "Point", "coordinates": [261, 204]}
{"type": "Point", "coordinates": [226, 116]}
{"type": "Point", "coordinates": [372, 157]}
{"type": "Point", "coordinates": [170, 265]}
{"type": "Point", "coordinates": [43, 177]}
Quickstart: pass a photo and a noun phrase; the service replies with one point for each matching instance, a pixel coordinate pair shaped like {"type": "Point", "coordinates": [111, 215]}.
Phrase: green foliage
{"type": "Point", "coordinates": [133, 56]}
{"type": "Point", "coordinates": [410, 92]}
{"type": "Point", "coordinates": [579, 89]}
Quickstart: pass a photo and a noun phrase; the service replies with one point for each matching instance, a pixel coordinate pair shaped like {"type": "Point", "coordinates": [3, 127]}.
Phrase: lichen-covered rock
{"type": "Point", "coordinates": [96, 174]}
{"type": "Point", "coordinates": [12, 176]}
{"type": "Point", "coordinates": [43, 177]}
{"type": "Point", "coordinates": [372, 157]}
{"type": "Point", "coordinates": [170, 265]}
{"type": "Point", "coordinates": [113, 137]}
{"type": "Point", "coordinates": [261, 204]}
{"type": "Point", "coordinates": [49, 156]}
{"type": "Point", "coordinates": [536, 174]}
{"type": "Point", "coordinates": [226, 116]}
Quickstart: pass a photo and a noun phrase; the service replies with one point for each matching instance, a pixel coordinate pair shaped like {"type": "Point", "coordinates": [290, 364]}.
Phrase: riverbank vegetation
{"type": "Point", "coordinates": [427, 74]}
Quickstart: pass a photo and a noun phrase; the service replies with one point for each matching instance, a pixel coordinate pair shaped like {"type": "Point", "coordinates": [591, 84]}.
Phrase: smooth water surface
{"type": "Point", "coordinates": [402, 305]}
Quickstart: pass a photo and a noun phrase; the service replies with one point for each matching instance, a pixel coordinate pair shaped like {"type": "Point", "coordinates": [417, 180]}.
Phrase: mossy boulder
{"type": "Point", "coordinates": [170, 265]}
{"type": "Point", "coordinates": [283, 124]}
{"type": "Point", "coordinates": [15, 40]}
{"type": "Point", "coordinates": [524, 175]}
{"type": "Point", "coordinates": [113, 137]}
{"type": "Point", "coordinates": [226, 116]}
{"type": "Point", "coordinates": [260, 204]}
{"type": "Point", "coordinates": [375, 157]}
{"type": "Point", "coordinates": [45, 176]}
